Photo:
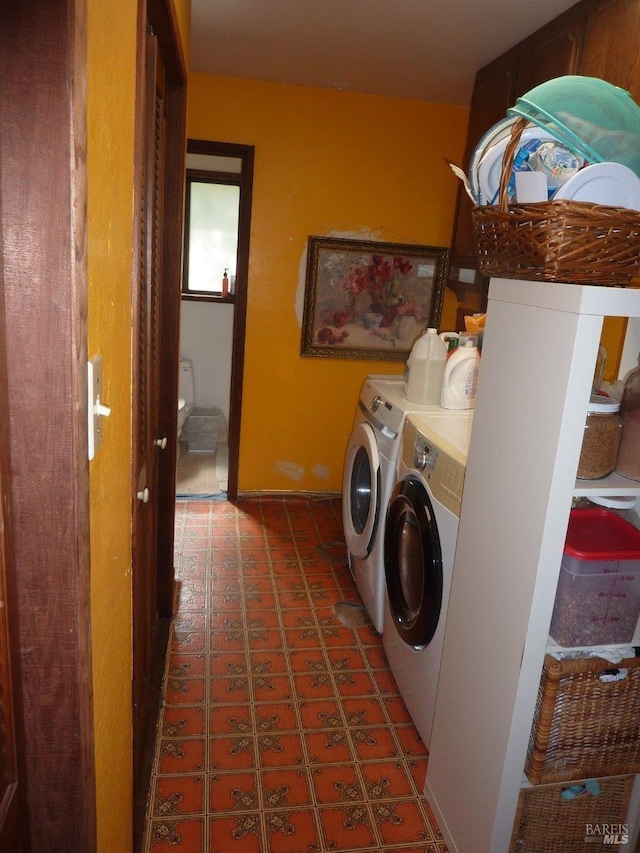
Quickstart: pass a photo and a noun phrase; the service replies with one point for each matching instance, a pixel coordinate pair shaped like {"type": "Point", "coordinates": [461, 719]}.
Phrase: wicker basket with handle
{"type": "Point", "coordinates": [587, 720]}
{"type": "Point", "coordinates": [569, 241]}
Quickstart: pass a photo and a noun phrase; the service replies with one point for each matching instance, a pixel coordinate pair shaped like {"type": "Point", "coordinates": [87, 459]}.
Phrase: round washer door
{"type": "Point", "coordinates": [361, 490]}
{"type": "Point", "coordinates": [413, 563]}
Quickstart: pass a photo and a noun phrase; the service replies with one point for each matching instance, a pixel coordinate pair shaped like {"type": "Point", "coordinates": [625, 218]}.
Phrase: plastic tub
{"type": "Point", "coordinates": [598, 596]}
{"type": "Point", "coordinates": [202, 427]}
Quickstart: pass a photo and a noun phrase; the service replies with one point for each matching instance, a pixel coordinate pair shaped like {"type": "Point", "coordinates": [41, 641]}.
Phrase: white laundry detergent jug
{"type": "Point", "coordinates": [460, 377]}
{"type": "Point", "coordinates": [425, 368]}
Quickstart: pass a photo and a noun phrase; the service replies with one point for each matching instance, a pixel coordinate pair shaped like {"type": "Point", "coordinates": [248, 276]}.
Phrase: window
{"type": "Point", "coordinates": [211, 227]}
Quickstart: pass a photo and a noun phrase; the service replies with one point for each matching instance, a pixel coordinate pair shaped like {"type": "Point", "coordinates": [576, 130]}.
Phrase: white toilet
{"type": "Point", "coordinates": [186, 393]}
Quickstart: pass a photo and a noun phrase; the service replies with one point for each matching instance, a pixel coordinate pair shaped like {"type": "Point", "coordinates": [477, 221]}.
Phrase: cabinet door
{"type": "Point", "coordinates": [552, 52]}
{"type": "Point", "coordinates": [492, 96]}
{"type": "Point", "coordinates": [610, 47]}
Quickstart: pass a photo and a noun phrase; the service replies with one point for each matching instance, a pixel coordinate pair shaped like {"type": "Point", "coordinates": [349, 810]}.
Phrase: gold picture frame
{"type": "Point", "coordinates": [370, 300]}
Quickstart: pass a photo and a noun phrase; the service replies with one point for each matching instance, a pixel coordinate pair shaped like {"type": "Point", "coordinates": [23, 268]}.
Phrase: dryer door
{"type": "Point", "coordinates": [413, 563]}
{"type": "Point", "coordinates": [361, 490]}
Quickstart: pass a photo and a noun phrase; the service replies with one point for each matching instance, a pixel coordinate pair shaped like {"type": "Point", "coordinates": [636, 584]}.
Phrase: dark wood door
{"type": "Point", "coordinates": [610, 47]}
{"type": "Point", "coordinates": [13, 822]}
{"type": "Point", "coordinates": [148, 442]}
{"type": "Point", "coordinates": [553, 52]}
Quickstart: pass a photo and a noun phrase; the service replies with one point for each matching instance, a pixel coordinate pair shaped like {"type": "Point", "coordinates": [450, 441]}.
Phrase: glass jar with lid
{"type": "Point", "coordinates": [628, 463]}
{"type": "Point", "coordinates": [601, 440]}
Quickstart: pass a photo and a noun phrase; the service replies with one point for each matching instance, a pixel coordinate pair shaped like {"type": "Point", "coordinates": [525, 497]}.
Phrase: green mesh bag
{"type": "Point", "coordinates": [593, 118]}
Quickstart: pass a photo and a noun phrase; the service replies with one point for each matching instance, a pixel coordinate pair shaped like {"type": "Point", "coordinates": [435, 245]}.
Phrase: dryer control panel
{"type": "Point", "coordinates": [439, 463]}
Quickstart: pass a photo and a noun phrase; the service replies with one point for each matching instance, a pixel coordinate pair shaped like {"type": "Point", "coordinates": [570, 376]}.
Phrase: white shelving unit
{"type": "Point", "coordinates": [538, 359]}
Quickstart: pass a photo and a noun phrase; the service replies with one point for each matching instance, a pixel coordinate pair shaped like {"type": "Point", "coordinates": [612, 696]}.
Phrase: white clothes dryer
{"type": "Point", "coordinates": [419, 548]}
{"type": "Point", "coordinates": [369, 476]}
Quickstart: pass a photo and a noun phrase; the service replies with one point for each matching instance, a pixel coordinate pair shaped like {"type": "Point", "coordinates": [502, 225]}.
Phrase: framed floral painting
{"type": "Point", "coordinates": [369, 299]}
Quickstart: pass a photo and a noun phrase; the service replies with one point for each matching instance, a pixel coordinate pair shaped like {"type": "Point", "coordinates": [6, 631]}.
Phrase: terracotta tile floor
{"type": "Point", "coordinates": [282, 730]}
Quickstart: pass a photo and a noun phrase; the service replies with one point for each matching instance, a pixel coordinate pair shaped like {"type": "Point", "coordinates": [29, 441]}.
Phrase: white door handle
{"type": "Point", "coordinates": [143, 495]}
{"type": "Point", "coordinates": [161, 442]}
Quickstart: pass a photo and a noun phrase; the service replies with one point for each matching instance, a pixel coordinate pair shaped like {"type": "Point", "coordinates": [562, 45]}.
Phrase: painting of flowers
{"type": "Point", "coordinates": [369, 299]}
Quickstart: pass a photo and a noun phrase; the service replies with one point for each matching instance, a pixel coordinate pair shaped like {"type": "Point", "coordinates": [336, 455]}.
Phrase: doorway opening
{"type": "Point", "coordinates": [219, 181]}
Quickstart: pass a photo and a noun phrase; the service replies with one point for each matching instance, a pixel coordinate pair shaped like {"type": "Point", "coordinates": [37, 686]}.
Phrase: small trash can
{"type": "Point", "coordinates": [202, 427]}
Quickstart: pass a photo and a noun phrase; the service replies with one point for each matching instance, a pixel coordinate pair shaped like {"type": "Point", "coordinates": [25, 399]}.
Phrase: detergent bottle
{"type": "Point", "coordinates": [425, 368]}
{"type": "Point", "coordinates": [460, 377]}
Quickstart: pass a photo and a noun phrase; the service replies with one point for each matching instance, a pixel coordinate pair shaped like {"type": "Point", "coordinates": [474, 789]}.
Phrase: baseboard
{"type": "Point", "coordinates": [247, 495]}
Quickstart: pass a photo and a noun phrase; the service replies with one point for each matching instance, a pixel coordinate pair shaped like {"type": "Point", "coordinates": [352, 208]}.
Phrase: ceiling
{"type": "Point", "coordinates": [427, 50]}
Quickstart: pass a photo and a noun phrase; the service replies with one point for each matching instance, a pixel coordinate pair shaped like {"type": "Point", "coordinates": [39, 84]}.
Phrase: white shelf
{"type": "Point", "coordinates": [540, 346]}
{"type": "Point", "coordinates": [614, 484]}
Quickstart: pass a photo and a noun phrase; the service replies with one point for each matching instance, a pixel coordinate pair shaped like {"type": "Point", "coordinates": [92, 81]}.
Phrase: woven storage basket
{"type": "Point", "coordinates": [570, 241]}
{"type": "Point", "coordinates": [545, 822]}
{"type": "Point", "coordinates": [585, 726]}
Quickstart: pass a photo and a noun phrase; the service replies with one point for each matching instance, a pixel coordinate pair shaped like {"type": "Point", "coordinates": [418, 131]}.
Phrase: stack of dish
{"type": "Point", "coordinates": [603, 169]}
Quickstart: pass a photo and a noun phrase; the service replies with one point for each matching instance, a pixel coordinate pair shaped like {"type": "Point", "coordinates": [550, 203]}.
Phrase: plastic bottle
{"type": "Point", "coordinates": [628, 463]}
{"type": "Point", "coordinates": [225, 285]}
{"type": "Point", "coordinates": [425, 368]}
{"type": "Point", "coordinates": [460, 377]}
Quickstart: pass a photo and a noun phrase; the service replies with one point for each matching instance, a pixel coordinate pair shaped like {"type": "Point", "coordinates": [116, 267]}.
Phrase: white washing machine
{"type": "Point", "coordinates": [369, 476]}
{"type": "Point", "coordinates": [419, 548]}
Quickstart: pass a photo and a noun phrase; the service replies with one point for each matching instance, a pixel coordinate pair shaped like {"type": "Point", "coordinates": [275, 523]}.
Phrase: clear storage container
{"type": "Point", "coordinates": [601, 440]}
{"type": "Point", "coordinates": [598, 596]}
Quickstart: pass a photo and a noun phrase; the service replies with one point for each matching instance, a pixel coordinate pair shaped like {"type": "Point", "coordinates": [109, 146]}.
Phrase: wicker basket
{"type": "Point", "coordinates": [545, 822]}
{"type": "Point", "coordinates": [570, 241]}
{"type": "Point", "coordinates": [585, 726]}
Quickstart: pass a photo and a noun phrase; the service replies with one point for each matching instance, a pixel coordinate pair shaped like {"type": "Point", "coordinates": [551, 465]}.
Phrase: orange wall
{"type": "Point", "coordinates": [111, 101]}
{"type": "Point", "coordinates": [326, 163]}
{"type": "Point", "coordinates": [111, 90]}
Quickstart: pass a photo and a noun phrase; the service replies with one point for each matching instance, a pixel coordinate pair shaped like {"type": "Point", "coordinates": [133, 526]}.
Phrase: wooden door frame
{"type": "Point", "coordinates": [43, 187]}
{"type": "Point", "coordinates": [247, 154]}
{"type": "Point", "coordinates": [13, 804]}
{"type": "Point", "coordinates": [160, 15]}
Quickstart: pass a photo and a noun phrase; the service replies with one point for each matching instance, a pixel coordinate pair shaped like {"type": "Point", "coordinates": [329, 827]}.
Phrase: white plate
{"type": "Point", "coordinates": [500, 130]}
{"type": "Point", "coordinates": [610, 184]}
{"type": "Point", "coordinates": [490, 166]}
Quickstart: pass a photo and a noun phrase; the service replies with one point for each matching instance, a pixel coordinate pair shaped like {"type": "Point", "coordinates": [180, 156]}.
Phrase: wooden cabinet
{"type": "Point", "coordinates": [595, 38]}
{"type": "Point", "coordinates": [610, 44]}
{"type": "Point", "coordinates": [538, 358]}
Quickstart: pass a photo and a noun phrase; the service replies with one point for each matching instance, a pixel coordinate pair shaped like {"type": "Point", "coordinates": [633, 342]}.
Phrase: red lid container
{"type": "Point", "coordinates": [600, 534]}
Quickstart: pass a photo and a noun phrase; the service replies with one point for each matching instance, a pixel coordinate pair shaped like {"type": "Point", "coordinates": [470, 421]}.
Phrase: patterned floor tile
{"type": "Point", "coordinates": [320, 714]}
{"type": "Point", "coordinates": [374, 743]}
{"type": "Point", "coordinates": [177, 796]}
{"type": "Point", "coordinates": [186, 691]}
{"type": "Point", "coordinates": [235, 791]}
{"type": "Point", "coordinates": [285, 788]}
{"type": "Point", "coordinates": [318, 685]}
{"type": "Point", "coordinates": [291, 831]}
{"type": "Point", "coordinates": [178, 755]}
{"type": "Point", "coordinates": [275, 717]}
{"type": "Point", "coordinates": [282, 730]}
{"type": "Point", "coordinates": [234, 689]}
{"type": "Point", "coordinates": [337, 784]}
{"type": "Point", "coordinates": [230, 719]}
{"type": "Point", "coordinates": [347, 828]}
{"type": "Point", "coordinates": [183, 722]}
{"type": "Point", "coordinates": [400, 822]}
{"type": "Point", "coordinates": [241, 832]}
{"type": "Point", "coordinates": [280, 749]}
{"type": "Point", "coordinates": [167, 836]}
{"type": "Point", "coordinates": [186, 666]}
{"type": "Point", "coordinates": [232, 753]}
{"type": "Point", "coordinates": [331, 746]}
{"type": "Point", "coordinates": [385, 780]}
